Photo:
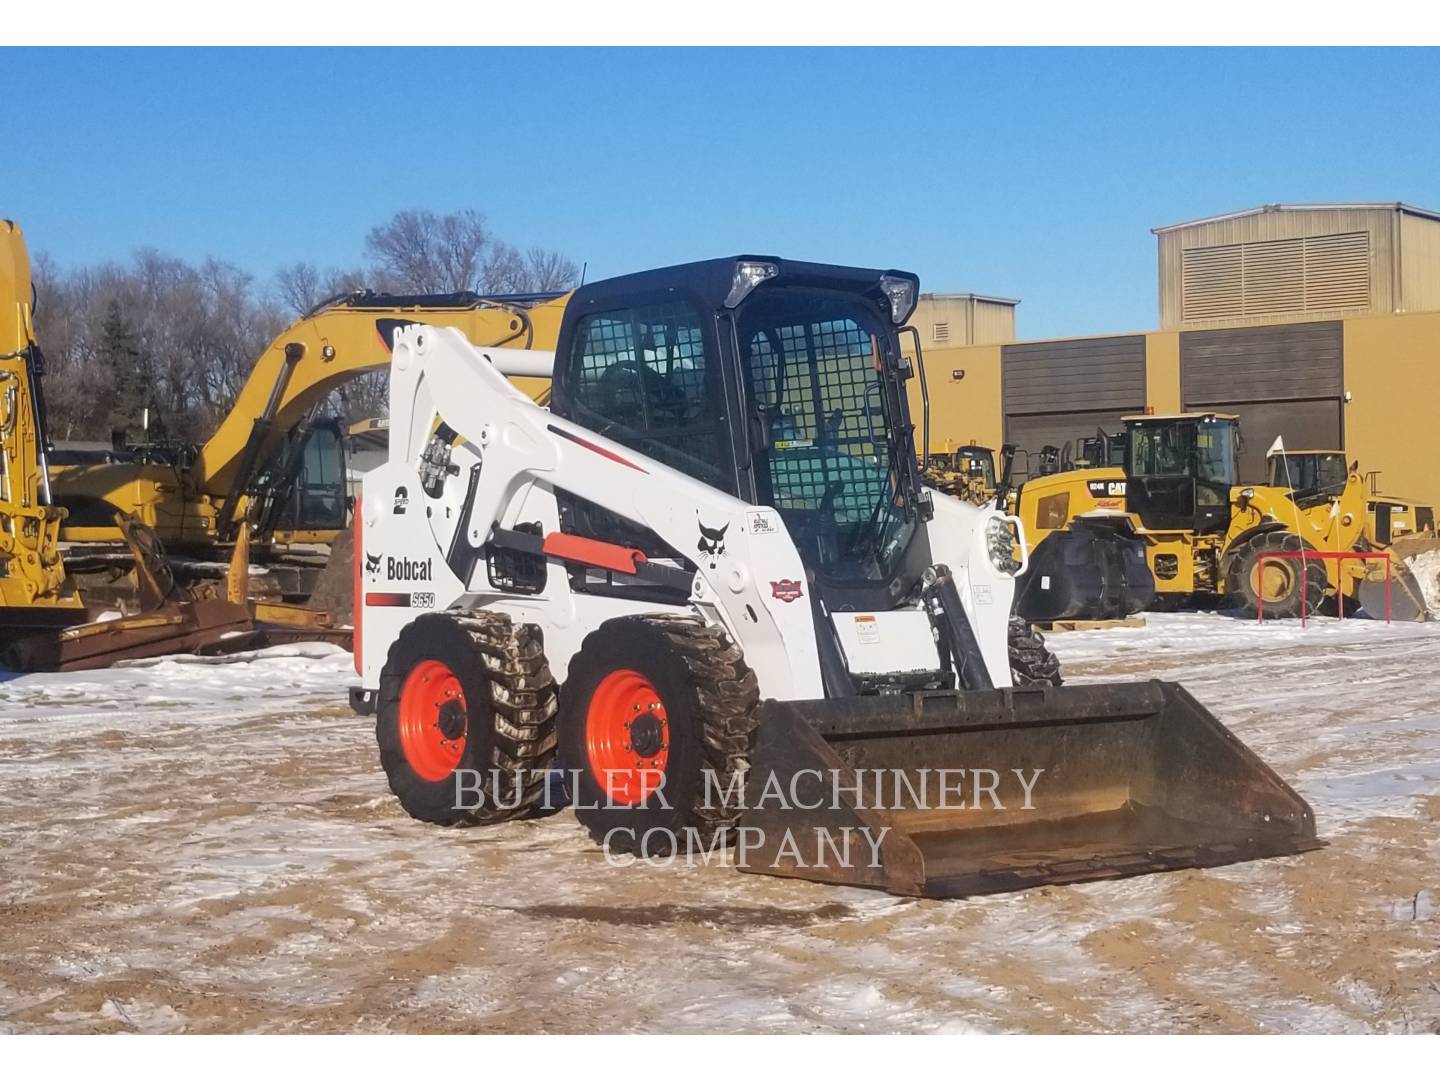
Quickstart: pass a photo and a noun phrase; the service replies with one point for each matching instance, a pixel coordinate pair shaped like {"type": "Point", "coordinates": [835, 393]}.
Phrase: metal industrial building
{"type": "Point", "coordinates": [1317, 323]}
{"type": "Point", "coordinates": [945, 319]}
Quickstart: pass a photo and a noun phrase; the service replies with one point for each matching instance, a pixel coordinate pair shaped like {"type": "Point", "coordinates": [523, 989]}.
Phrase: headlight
{"type": "Point", "coordinates": [900, 291]}
{"type": "Point", "coordinates": [1000, 545]}
{"type": "Point", "coordinates": [747, 276]}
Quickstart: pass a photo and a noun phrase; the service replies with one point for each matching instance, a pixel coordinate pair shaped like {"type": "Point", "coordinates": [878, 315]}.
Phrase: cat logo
{"type": "Point", "coordinates": [1101, 489]}
{"type": "Point", "coordinates": [372, 564]}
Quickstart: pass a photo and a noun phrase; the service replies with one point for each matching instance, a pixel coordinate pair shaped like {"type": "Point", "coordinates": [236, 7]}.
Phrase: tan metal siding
{"type": "Point", "coordinates": [1377, 225]}
{"type": "Point", "coordinates": [993, 323]}
{"type": "Point", "coordinates": [1419, 264]}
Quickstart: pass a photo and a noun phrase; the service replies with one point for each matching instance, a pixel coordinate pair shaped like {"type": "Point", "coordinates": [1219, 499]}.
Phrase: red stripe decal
{"type": "Point", "coordinates": [595, 449]}
{"type": "Point", "coordinates": [387, 599]}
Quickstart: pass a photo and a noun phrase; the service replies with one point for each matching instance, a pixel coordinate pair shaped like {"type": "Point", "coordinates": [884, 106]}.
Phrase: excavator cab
{"type": "Point", "coordinates": [1180, 470]}
{"type": "Point", "coordinates": [304, 487]}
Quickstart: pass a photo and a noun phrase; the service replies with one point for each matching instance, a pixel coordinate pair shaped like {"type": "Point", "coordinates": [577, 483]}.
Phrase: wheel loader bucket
{"type": "Point", "coordinates": [952, 794]}
{"type": "Point", "coordinates": [1094, 569]}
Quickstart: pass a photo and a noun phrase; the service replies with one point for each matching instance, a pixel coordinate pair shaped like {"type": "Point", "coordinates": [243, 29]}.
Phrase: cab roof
{"type": "Point", "coordinates": [1155, 417]}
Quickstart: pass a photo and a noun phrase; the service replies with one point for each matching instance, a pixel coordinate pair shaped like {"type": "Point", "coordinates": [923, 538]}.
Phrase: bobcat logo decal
{"type": "Point", "coordinates": [712, 542]}
{"type": "Point", "coordinates": [372, 564]}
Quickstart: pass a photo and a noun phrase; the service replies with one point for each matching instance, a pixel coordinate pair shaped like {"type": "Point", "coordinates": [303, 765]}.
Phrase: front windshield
{"type": "Point", "coordinates": [1170, 448]}
{"type": "Point", "coordinates": [1320, 473]}
{"type": "Point", "coordinates": [811, 359]}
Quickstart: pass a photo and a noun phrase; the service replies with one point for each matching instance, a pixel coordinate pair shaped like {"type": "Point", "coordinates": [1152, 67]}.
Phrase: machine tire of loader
{"type": "Point", "coordinates": [1031, 661]}
{"type": "Point", "coordinates": [651, 698]}
{"type": "Point", "coordinates": [1280, 579]}
{"type": "Point", "coordinates": [472, 692]}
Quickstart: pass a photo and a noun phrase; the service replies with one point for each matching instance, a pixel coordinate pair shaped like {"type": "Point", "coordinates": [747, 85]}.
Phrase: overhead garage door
{"type": "Point", "coordinates": [1280, 380]}
{"type": "Point", "coordinates": [1055, 392]}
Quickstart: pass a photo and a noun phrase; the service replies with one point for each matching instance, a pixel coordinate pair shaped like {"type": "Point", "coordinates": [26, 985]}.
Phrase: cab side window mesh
{"type": "Point", "coordinates": [643, 377]}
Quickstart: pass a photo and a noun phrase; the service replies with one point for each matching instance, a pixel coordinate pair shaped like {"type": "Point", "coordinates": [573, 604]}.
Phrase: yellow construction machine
{"type": "Point", "coordinates": [44, 622]}
{"type": "Point", "coordinates": [1322, 474]}
{"type": "Point", "coordinates": [1205, 534]}
{"type": "Point", "coordinates": [34, 591]}
{"type": "Point", "coordinates": [275, 468]}
{"type": "Point", "coordinates": [967, 472]}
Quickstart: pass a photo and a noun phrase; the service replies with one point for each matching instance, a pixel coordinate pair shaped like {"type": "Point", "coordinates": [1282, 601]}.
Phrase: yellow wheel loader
{"type": "Point", "coordinates": [710, 585]}
{"type": "Point", "coordinates": [1397, 525]}
{"type": "Point", "coordinates": [1204, 533]}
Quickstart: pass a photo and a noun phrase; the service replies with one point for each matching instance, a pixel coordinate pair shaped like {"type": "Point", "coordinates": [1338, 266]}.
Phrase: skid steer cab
{"type": "Point", "coordinates": [709, 586]}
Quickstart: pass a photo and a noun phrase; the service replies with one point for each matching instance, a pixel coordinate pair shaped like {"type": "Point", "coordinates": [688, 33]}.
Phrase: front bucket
{"type": "Point", "coordinates": [959, 793]}
{"type": "Point", "coordinates": [1095, 569]}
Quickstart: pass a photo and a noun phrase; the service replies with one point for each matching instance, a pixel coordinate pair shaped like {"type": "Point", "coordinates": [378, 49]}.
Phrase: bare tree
{"type": "Point", "coordinates": [302, 286]}
{"type": "Point", "coordinates": [180, 338]}
{"type": "Point", "coordinates": [422, 251]}
{"type": "Point", "coordinates": [549, 271]}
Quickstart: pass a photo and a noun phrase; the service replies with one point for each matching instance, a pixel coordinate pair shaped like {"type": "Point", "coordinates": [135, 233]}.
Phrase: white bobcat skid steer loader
{"type": "Point", "coordinates": [709, 584]}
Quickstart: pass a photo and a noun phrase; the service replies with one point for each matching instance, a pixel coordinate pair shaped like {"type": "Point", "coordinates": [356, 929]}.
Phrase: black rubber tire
{"type": "Point", "coordinates": [510, 699]}
{"type": "Point", "coordinates": [1031, 661]}
{"type": "Point", "coordinates": [709, 695]}
{"type": "Point", "coordinates": [1243, 561]}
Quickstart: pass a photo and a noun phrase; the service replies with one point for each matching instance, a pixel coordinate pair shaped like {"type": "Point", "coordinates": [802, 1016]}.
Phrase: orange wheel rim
{"type": "Point", "coordinates": [432, 720]}
{"type": "Point", "coordinates": [627, 737]}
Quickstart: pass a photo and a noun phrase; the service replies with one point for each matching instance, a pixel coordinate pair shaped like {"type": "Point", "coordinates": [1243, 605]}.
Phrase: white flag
{"type": "Point", "coordinates": [1276, 447]}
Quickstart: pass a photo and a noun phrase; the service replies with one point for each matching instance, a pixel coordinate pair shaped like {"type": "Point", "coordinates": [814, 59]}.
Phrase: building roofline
{"type": "Point", "coordinates": [1400, 207]}
{"type": "Point", "coordinates": [968, 296]}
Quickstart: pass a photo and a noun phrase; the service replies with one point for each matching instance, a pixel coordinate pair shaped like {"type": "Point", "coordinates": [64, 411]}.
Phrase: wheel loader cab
{"type": "Point", "coordinates": [1312, 474]}
{"type": "Point", "coordinates": [779, 382]}
{"type": "Point", "coordinates": [1180, 470]}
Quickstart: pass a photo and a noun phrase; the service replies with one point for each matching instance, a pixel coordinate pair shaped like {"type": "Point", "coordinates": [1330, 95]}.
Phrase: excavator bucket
{"type": "Point", "coordinates": [949, 794]}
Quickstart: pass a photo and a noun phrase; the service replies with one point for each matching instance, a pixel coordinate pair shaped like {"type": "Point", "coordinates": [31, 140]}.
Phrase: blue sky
{"type": "Point", "coordinates": [1033, 174]}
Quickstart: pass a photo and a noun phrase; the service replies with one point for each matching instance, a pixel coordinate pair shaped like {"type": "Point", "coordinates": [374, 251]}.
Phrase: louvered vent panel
{"type": "Point", "coordinates": [1211, 283]}
{"type": "Point", "coordinates": [942, 331]}
{"type": "Point", "coordinates": [1274, 277]}
{"type": "Point", "coordinates": [1337, 272]}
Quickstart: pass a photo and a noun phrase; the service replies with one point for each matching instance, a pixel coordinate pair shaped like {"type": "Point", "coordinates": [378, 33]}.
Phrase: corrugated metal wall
{"type": "Point", "coordinates": [1419, 264]}
{"type": "Point", "coordinates": [1055, 391]}
{"type": "Point", "coordinates": [1280, 380]}
{"type": "Point", "coordinates": [1377, 225]}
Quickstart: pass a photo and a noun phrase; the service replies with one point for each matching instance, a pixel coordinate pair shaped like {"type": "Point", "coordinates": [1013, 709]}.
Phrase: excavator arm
{"type": "Point", "coordinates": [337, 342]}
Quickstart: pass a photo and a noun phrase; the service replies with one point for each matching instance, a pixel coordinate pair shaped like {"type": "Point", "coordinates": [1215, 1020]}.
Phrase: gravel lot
{"type": "Point", "coordinates": [201, 846]}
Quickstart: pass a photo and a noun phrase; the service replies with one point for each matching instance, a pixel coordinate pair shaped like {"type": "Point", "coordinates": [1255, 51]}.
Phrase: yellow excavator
{"type": "Point", "coordinates": [273, 476]}
{"type": "Point", "coordinates": [45, 621]}
{"type": "Point", "coordinates": [35, 593]}
{"type": "Point", "coordinates": [1204, 533]}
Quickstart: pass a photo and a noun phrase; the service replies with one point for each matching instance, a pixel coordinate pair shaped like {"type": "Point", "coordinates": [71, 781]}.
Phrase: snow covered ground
{"type": "Point", "coordinates": [206, 846]}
